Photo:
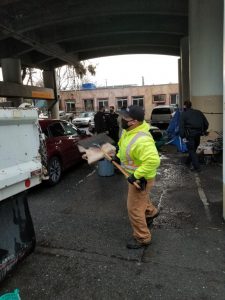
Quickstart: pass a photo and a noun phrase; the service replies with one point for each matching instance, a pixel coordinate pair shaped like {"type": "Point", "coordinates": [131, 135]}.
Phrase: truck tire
{"type": "Point", "coordinates": [54, 171]}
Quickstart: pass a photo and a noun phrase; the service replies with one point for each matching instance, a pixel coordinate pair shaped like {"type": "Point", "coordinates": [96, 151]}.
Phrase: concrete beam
{"type": "Point", "coordinates": [13, 90]}
{"type": "Point", "coordinates": [148, 39]}
{"type": "Point", "coordinates": [174, 25]}
{"type": "Point", "coordinates": [61, 13]}
{"type": "Point", "coordinates": [122, 49]}
{"type": "Point", "coordinates": [51, 50]}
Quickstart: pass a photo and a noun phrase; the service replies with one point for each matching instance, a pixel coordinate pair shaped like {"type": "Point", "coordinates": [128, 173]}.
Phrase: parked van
{"type": "Point", "coordinates": [161, 115]}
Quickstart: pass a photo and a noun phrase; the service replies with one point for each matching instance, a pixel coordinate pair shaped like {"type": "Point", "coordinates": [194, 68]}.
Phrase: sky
{"type": "Point", "coordinates": [133, 69]}
{"type": "Point", "coordinates": [130, 69]}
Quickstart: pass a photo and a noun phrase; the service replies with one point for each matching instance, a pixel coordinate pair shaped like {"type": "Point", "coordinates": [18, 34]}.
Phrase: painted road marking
{"type": "Point", "coordinates": [201, 191]}
{"type": "Point", "coordinates": [203, 197]}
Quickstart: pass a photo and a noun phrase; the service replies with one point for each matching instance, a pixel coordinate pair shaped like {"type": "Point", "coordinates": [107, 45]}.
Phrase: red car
{"type": "Point", "coordinates": [61, 140]}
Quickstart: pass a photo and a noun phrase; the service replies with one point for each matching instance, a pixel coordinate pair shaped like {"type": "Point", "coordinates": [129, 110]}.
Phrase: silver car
{"type": "Point", "coordinates": [84, 119]}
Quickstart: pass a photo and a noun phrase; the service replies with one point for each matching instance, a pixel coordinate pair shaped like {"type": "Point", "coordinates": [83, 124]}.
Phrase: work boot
{"type": "Point", "coordinates": [149, 220]}
{"type": "Point", "coordinates": [135, 244]}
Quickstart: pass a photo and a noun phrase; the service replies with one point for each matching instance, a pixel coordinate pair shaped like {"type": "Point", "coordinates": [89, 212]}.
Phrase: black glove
{"type": "Point", "coordinates": [116, 159]}
{"type": "Point", "coordinates": [131, 179]}
{"type": "Point", "coordinates": [142, 182]}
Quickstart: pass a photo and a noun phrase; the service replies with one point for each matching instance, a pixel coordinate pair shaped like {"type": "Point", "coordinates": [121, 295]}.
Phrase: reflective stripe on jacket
{"type": "Point", "coordinates": [137, 152]}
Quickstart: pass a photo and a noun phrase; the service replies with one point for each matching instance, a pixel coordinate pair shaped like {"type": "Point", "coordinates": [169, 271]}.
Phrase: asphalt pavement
{"type": "Point", "coordinates": [82, 228]}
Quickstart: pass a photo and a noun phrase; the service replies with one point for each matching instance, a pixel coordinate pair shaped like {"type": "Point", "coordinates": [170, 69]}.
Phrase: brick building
{"type": "Point", "coordinates": [147, 96]}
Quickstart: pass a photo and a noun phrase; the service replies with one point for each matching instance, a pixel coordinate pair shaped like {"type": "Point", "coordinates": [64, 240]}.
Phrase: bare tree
{"type": "Point", "coordinates": [32, 76]}
{"type": "Point", "coordinates": [71, 77]}
{"type": "Point", "coordinates": [68, 77]}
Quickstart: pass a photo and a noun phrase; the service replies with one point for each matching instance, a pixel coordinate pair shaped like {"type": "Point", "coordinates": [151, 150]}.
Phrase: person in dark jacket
{"type": "Point", "coordinates": [99, 120]}
{"type": "Point", "coordinates": [193, 124]}
{"type": "Point", "coordinates": [112, 124]}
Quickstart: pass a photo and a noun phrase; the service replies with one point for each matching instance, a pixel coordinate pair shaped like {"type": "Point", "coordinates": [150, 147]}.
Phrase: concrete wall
{"type": "Point", "coordinates": [112, 94]}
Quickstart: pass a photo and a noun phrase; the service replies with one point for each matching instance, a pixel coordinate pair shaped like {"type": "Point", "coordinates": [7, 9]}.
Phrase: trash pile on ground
{"type": "Point", "coordinates": [211, 145]}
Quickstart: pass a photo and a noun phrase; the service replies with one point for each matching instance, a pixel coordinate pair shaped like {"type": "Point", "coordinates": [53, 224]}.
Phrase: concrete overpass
{"type": "Point", "coordinates": [48, 34]}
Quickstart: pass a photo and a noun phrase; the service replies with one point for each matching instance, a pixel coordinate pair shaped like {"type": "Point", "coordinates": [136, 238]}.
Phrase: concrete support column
{"type": "Point", "coordinates": [206, 59]}
{"type": "Point", "coordinates": [223, 111]}
{"type": "Point", "coordinates": [50, 82]}
{"type": "Point", "coordinates": [11, 72]}
{"type": "Point", "coordinates": [184, 54]}
{"type": "Point", "coordinates": [180, 84]}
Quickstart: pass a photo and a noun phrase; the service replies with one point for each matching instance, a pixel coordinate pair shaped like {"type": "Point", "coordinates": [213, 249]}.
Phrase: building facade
{"type": "Point", "coordinates": [147, 96]}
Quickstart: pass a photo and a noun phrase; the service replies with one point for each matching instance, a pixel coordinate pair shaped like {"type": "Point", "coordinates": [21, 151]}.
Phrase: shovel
{"type": "Point", "coordinates": [102, 142]}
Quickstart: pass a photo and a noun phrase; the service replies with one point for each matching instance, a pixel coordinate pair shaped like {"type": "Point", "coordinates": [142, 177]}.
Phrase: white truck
{"type": "Point", "coordinates": [20, 169]}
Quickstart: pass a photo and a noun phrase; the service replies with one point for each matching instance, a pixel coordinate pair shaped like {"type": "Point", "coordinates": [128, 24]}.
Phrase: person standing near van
{"type": "Point", "coordinates": [112, 124]}
{"type": "Point", "coordinates": [193, 124]}
{"type": "Point", "coordinates": [99, 120]}
{"type": "Point", "coordinates": [139, 157]}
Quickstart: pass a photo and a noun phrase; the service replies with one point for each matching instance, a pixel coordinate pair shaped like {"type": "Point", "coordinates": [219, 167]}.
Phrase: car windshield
{"type": "Point", "coordinates": [70, 129]}
{"type": "Point", "coordinates": [84, 115]}
{"type": "Point", "coordinates": [161, 111]}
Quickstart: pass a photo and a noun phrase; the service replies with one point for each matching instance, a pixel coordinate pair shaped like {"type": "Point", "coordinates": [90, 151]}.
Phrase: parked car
{"type": "Point", "coordinates": [84, 119]}
{"type": "Point", "coordinates": [161, 115]}
{"type": "Point", "coordinates": [91, 126]}
{"type": "Point", "coordinates": [66, 116]}
{"type": "Point", "coordinates": [62, 139]}
{"type": "Point", "coordinates": [43, 115]}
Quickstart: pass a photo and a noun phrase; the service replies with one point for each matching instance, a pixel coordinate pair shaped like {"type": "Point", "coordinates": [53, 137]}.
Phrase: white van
{"type": "Point", "coordinates": [161, 115]}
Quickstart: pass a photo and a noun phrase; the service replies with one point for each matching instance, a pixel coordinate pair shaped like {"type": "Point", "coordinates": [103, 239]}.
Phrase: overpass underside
{"type": "Point", "coordinates": [48, 34]}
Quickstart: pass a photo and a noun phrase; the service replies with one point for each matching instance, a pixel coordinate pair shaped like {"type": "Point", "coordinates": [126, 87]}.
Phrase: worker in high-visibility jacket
{"type": "Point", "coordinates": [139, 157]}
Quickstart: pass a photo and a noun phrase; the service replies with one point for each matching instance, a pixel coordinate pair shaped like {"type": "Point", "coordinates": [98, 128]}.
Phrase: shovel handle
{"type": "Point", "coordinates": [120, 168]}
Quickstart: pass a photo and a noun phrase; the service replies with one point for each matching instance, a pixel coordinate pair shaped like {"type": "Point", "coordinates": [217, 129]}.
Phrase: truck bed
{"type": "Point", "coordinates": [20, 164]}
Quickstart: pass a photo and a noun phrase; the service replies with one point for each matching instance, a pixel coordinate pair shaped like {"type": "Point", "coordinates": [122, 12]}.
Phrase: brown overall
{"type": "Point", "coordinates": [139, 207]}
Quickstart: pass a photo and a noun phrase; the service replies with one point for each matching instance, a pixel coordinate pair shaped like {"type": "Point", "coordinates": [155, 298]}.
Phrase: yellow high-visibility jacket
{"type": "Point", "coordinates": [138, 153]}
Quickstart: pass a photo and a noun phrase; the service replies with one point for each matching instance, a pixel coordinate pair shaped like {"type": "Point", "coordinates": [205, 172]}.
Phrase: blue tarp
{"type": "Point", "coordinates": [173, 133]}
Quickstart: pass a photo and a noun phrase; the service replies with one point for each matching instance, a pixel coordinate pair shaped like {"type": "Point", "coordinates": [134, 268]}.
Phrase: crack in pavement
{"type": "Point", "coordinates": [73, 252]}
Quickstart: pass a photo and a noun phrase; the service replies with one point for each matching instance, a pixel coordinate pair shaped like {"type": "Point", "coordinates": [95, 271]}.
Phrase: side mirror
{"type": "Point", "coordinates": [82, 132]}
{"type": "Point", "coordinates": [43, 136]}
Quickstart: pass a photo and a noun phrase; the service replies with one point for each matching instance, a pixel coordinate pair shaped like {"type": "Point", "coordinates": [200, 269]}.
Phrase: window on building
{"type": "Point", "coordinates": [89, 104]}
{"type": "Point", "coordinates": [159, 98]}
{"type": "Point", "coordinates": [70, 106]}
{"type": "Point", "coordinates": [138, 100]}
{"type": "Point", "coordinates": [174, 98]}
{"type": "Point", "coordinates": [103, 103]}
{"type": "Point", "coordinates": [121, 102]}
